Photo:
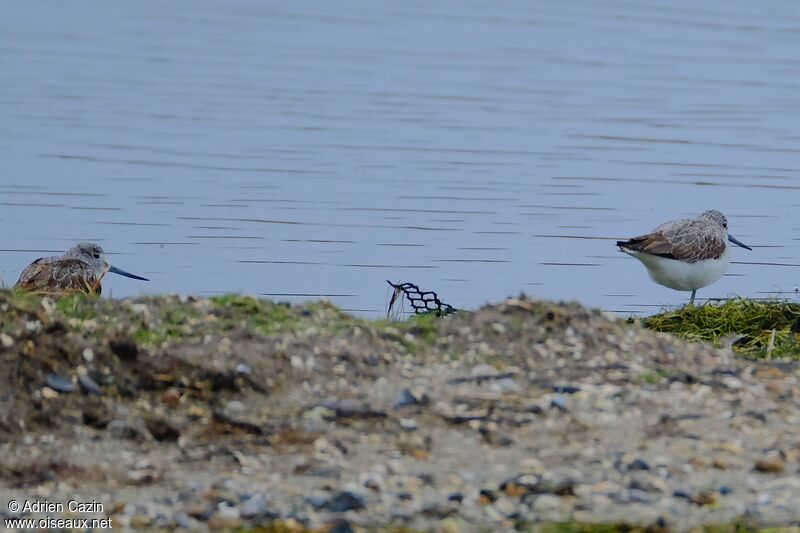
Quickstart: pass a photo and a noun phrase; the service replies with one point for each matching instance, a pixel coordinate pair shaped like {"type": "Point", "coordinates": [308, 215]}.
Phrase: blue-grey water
{"type": "Point", "coordinates": [480, 149]}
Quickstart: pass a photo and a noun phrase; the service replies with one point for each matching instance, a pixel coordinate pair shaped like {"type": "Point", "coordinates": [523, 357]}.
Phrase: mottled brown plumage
{"type": "Point", "coordinates": [59, 277]}
{"type": "Point", "coordinates": [685, 239]}
{"type": "Point", "coordinates": [80, 269]}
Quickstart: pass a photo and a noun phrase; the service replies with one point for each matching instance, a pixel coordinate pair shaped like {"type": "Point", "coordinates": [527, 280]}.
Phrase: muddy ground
{"type": "Point", "coordinates": [237, 413]}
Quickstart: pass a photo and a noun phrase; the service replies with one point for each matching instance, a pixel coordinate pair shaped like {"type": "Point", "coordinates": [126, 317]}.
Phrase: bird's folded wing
{"type": "Point", "coordinates": [63, 276]}
{"type": "Point", "coordinates": [687, 242]}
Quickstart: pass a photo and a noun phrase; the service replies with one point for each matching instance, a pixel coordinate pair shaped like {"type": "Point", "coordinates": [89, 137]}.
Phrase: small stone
{"type": "Point", "coordinates": [345, 501]}
{"type": "Point", "coordinates": [120, 429]}
{"type": "Point", "coordinates": [638, 464]}
{"type": "Point", "coordinates": [125, 349]}
{"type": "Point", "coordinates": [372, 481]}
{"type": "Point", "coordinates": [88, 385]}
{"type": "Point", "coordinates": [59, 383]}
{"type": "Point", "coordinates": [639, 496]}
{"type": "Point", "coordinates": [566, 389]}
{"type": "Point", "coordinates": [546, 503]}
{"type": "Point", "coordinates": [184, 521]}
{"type": "Point", "coordinates": [681, 494]}
{"type": "Point", "coordinates": [559, 401]}
{"type": "Point", "coordinates": [408, 424]}
{"type": "Point", "coordinates": [705, 498]}
{"type": "Point", "coordinates": [88, 355]}
{"type": "Point", "coordinates": [498, 328]}
{"type": "Point", "coordinates": [340, 525]}
{"type": "Point", "coordinates": [162, 429]}
{"type": "Point", "coordinates": [317, 501]}
{"type": "Point", "coordinates": [171, 397]}
{"type": "Point", "coordinates": [256, 507]}
{"type": "Point", "coordinates": [484, 370]}
{"type": "Point", "coordinates": [235, 406]}
{"type": "Point", "coordinates": [6, 340]}
{"type": "Point", "coordinates": [487, 496]}
{"type": "Point", "coordinates": [243, 369]}
{"type": "Point", "coordinates": [504, 386]}
{"type": "Point", "coordinates": [725, 490]}
{"type": "Point", "coordinates": [409, 397]}
{"type": "Point", "coordinates": [455, 497]}
{"type": "Point", "coordinates": [770, 465]}
{"type": "Point", "coordinates": [49, 393]}
{"type": "Point", "coordinates": [226, 517]}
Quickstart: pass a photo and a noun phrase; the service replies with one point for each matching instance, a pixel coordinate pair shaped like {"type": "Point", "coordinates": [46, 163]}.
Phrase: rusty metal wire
{"type": "Point", "coordinates": [422, 302]}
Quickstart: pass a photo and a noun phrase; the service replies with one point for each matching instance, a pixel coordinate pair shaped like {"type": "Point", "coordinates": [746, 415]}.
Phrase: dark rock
{"type": "Point", "coordinates": [488, 495]}
{"type": "Point", "coordinates": [59, 383]}
{"type": "Point", "coordinates": [566, 389]}
{"type": "Point", "coordinates": [124, 348]}
{"type": "Point", "coordinates": [349, 408]}
{"type": "Point", "coordinates": [638, 464]}
{"type": "Point", "coordinates": [681, 494]}
{"type": "Point", "coordinates": [345, 501]}
{"type": "Point", "coordinates": [161, 429]}
{"type": "Point", "coordinates": [408, 398]}
{"type": "Point", "coordinates": [456, 497]}
{"type": "Point", "coordinates": [96, 414]}
{"type": "Point", "coordinates": [406, 496]}
{"type": "Point", "coordinates": [340, 525]}
{"type": "Point", "coordinates": [120, 429]}
{"type": "Point", "coordinates": [481, 378]}
{"type": "Point", "coordinates": [725, 490]}
{"type": "Point", "coordinates": [89, 385]}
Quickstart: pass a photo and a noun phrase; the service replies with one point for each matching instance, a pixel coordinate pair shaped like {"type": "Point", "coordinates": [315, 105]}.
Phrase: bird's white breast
{"type": "Point", "coordinates": [681, 275]}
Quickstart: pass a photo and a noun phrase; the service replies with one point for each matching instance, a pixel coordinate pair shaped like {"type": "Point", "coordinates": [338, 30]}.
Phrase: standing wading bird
{"type": "Point", "coordinates": [80, 269]}
{"type": "Point", "coordinates": [685, 254]}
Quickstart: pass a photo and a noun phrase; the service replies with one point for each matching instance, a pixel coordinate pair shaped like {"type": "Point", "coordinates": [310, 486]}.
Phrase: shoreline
{"type": "Point", "coordinates": [233, 412]}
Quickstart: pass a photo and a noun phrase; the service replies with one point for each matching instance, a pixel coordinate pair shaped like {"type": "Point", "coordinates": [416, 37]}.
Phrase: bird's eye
{"type": "Point", "coordinates": [96, 256]}
{"type": "Point", "coordinates": [724, 224]}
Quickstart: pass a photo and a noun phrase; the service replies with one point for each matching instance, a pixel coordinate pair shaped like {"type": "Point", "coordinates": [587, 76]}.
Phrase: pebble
{"type": "Point", "coordinates": [408, 424]}
{"type": "Point", "coordinates": [483, 370]}
{"type": "Point", "coordinates": [89, 385]}
{"type": "Point", "coordinates": [770, 465]}
{"type": "Point", "coordinates": [6, 340]}
{"type": "Point", "coordinates": [59, 383]}
{"type": "Point", "coordinates": [235, 406]}
{"type": "Point", "coordinates": [344, 501]}
{"type": "Point", "coordinates": [243, 369]}
{"type": "Point", "coordinates": [409, 397]}
{"type": "Point", "coordinates": [504, 386]}
{"type": "Point", "coordinates": [638, 464]}
{"type": "Point", "coordinates": [639, 496]}
{"type": "Point", "coordinates": [49, 393]}
{"type": "Point", "coordinates": [559, 401]}
{"type": "Point", "coordinates": [546, 503]}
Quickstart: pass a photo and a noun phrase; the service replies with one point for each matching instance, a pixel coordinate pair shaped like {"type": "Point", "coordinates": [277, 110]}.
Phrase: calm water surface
{"type": "Point", "coordinates": [481, 149]}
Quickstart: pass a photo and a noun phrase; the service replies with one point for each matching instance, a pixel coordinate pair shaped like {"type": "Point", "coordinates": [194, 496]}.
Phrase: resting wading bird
{"type": "Point", "coordinates": [80, 269]}
{"type": "Point", "coordinates": [685, 254]}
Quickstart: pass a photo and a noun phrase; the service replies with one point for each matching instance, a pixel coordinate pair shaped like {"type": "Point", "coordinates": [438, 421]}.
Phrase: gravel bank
{"type": "Point", "coordinates": [197, 413]}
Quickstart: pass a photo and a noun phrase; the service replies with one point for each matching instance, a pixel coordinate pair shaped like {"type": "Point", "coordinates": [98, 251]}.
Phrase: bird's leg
{"type": "Point", "coordinates": [691, 300]}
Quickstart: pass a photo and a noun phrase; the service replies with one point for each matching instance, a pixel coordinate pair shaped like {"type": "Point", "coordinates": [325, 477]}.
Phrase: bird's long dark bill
{"type": "Point", "coordinates": [121, 272]}
{"type": "Point", "coordinates": [737, 243]}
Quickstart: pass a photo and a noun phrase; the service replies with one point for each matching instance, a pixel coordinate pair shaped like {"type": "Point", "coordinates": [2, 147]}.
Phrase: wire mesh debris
{"type": "Point", "coordinates": [422, 302]}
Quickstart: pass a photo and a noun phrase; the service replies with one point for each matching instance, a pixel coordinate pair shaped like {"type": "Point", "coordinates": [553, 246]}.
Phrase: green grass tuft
{"type": "Point", "coordinates": [748, 323]}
